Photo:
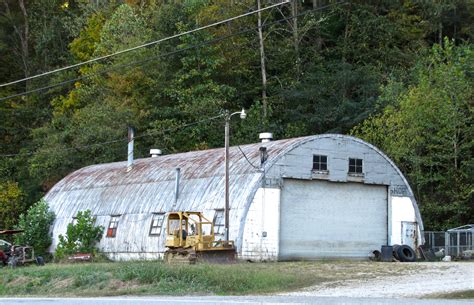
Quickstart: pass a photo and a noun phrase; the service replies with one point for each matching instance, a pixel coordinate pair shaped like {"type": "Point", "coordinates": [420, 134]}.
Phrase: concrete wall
{"type": "Point", "coordinates": [261, 231]}
{"type": "Point", "coordinates": [401, 210]}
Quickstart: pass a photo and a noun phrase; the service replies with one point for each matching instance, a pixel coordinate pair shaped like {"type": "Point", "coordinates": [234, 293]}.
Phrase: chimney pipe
{"type": "Point", "coordinates": [265, 137]}
{"type": "Point", "coordinates": [263, 155]}
{"type": "Point", "coordinates": [176, 188]}
{"type": "Point", "coordinates": [131, 136]}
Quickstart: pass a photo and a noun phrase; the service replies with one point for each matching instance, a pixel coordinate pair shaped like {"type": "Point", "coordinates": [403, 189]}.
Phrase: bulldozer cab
{"type": "Point", "coordinates": [189, 229]}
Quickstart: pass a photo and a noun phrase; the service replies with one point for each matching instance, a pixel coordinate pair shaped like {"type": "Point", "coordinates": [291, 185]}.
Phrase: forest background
{"type": "Point", "coordinates": [398, 74]}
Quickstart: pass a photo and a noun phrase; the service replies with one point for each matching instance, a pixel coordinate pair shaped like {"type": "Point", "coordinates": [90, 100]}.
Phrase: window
{"type": "Point", "coordinates": [219, 222]}
{"type": "Point", "coordinates": [113, 224]}
{"type": "Point", "coordinates": [156, 223]}
{"type": "Point", "coordinates": [355, 166]}
{"type": "Point", "coordinates": [320, 163]}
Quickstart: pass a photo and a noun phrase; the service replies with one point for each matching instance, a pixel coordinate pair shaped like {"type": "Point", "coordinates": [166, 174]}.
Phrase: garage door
{"type": "Point", "coordinates": [327, 219]}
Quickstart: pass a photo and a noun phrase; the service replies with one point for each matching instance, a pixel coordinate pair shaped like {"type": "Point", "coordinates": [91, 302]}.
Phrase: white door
{"type": "Point", "coordinates": [409, 234]}
{"type": "Point", "coordinates": [327, 219]}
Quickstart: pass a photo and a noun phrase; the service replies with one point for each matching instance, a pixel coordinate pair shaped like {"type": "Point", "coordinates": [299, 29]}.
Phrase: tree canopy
{"type": "Point", "coordinates": [428, 130]}
{"type": "Point", "coordinates": [396, 73]}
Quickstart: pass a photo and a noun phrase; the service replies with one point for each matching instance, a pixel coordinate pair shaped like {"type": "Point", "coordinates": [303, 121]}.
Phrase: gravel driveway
{"type": "Point", "coordinates": [421, 279]}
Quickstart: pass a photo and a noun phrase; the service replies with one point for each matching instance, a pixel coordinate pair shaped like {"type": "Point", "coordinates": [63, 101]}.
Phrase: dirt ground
{"type": "Point", "coordinates": [401, 280]}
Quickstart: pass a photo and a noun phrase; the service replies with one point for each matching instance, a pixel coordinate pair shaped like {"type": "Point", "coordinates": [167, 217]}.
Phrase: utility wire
{"type": "Point", "coordinates": [64, 149]}
{"type": "Point", "coordinates": [144, 45]}
{"type": "Point", "coordinates": [152, 133]}
{"type": "Point", "coordinates": [245, 156]}
{"type": "Point", "coordinates": [124, 139]}
{"type": "Point", "coordinates": [140, 62]}
{"type": "Point", "coordinates": [113, 68]}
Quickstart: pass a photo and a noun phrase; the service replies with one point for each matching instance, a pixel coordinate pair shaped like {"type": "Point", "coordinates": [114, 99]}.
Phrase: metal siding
{"type": "Point", "coordinates": [108, 189]}
{"type": "Point", "coordinates": [326, 219]}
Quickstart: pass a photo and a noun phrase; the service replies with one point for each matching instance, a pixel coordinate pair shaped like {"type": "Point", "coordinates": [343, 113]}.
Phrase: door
{"type": "Point", "coordinates": [409, 234]}
{"type": "Point", "coordinates": [328, 219]}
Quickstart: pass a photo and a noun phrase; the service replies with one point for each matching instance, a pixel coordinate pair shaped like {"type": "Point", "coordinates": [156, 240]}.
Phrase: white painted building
{"type": "Point", "coordinates": [312, 197]}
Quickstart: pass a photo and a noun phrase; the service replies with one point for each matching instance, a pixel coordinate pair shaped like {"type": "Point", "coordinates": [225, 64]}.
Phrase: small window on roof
{"type": "Point", "coordinates": [219, 222]}
{"type": "Point", "coordinates": [355, 166]}
{"type": "Point", "coordinates": [113, 224]}
{"type": "Point", "coordinates": [320, 163]}
{"type": "Point", "coordinates": [156, 223]}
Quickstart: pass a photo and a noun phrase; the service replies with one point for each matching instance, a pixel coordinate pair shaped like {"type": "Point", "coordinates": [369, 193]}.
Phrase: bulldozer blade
{"type": "Point", "coordinates": [216, 256]}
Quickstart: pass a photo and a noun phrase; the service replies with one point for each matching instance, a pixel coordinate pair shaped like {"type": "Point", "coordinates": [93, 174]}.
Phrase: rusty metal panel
{"type": "Point", "coordinates": [108, 189]}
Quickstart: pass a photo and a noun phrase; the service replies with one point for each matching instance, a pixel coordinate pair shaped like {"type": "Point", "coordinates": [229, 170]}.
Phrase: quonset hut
{"type": "Point", "coordinates": [303, 198]}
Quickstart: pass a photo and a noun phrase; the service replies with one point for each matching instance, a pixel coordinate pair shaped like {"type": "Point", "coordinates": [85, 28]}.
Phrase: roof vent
{"type": "Point", "coordinates": [131, 136]}
{"type": "Point", "coordinates": [265, 137]}
{"type": "Point", "coordinates": [155, 152]}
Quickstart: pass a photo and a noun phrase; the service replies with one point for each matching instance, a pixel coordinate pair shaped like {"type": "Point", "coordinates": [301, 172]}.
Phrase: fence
{"type": "Point", "coordinates": [454, 242]}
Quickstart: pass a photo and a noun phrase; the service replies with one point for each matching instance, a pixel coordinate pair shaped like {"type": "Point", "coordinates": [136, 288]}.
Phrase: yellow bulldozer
{"type": "Point", "coordinates": [190, 238]}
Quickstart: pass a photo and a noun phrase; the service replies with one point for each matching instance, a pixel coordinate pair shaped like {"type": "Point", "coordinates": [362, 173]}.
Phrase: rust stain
{"type": "Point", "coordinates": [108, 189]}
{"type": "Point", "coordinates": [194, 165]}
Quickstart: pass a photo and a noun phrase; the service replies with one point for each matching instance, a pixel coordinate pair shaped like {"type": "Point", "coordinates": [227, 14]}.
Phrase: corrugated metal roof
{"type": "Point", "coordinates": [108, 189]}
{"type": "Point", "coordinates": [149, 187]}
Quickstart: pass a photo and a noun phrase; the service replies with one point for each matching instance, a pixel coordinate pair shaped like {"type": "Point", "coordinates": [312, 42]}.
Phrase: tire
{"type": "Point", "coordinates": [406, 254]}
{"type": "Point", "coordinates": [395, 252]}
{"type": "Point", "coordinates": [375, 256]}
{"type": "Point", "coordinates": [39, 261]}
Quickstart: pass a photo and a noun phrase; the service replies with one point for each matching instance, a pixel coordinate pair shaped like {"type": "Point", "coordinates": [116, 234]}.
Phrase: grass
{"type": "Point", "coordinates": [156, 278]}
{"type": "Point", "coordinates": [142, 278]}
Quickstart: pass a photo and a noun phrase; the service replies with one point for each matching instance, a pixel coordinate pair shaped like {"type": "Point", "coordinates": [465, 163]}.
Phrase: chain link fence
{"type": "Point", "coordinates": [454, 241]}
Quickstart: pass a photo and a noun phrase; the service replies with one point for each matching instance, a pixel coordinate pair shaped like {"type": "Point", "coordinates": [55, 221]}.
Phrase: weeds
{"type": "Point", "coordinates": [146, 278]}
{"type": "Point", "coordinates": [156, 278]}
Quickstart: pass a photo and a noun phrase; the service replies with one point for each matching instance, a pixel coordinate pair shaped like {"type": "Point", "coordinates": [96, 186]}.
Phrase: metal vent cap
{"type": "Point", "coordinates": [265, 137]}
{"type": "Point", "coordinates": [155, 152]}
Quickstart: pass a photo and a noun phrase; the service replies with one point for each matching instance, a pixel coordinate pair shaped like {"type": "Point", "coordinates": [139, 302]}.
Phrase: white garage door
{"type": "Point", "coordinates": [327, 219]}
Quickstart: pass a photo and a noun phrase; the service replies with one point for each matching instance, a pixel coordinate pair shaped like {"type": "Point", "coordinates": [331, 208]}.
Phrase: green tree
{"type": "Point", "coordinates": [81, 237]}
{"type": "Point", "coordinates": [11, 204]}
{"type": "Point", "coordinates": [327, 70]}
{"type": "Point", "coordinates": [98, 109]}
{"type": "Point", "coordinates": [36, 224]}
{"type": "Point", "coordinates": [428, 130]}
{"type": "Point", "coordinates": [197, 86]}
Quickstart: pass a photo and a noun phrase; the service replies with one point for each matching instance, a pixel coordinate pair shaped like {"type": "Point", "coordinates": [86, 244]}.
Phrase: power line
{"type": "Point", "coordinates": [144, 45]}
{"type": "Point", "coordinates": [140, 62]}
{"type": "Point", "coordinates": [64, 149]}
{"type": "Point", "coordinates": [124, 139]}
{"type": "Point", "coordinates": [133, 63]}
{"type": "Point", "coordinates": [246, 158]}
{"type": "Point", "coordinates": [149, 134]}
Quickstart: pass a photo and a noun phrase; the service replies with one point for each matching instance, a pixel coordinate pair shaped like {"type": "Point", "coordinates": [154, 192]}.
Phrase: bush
{"type": "Point", "coordinates": [81, 237]}
{"type": "Point", "coordinates": [36, 224]}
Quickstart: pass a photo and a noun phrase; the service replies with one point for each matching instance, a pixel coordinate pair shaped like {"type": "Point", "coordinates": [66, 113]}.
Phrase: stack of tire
{"type": "Point", "coordinates": [404, 253]}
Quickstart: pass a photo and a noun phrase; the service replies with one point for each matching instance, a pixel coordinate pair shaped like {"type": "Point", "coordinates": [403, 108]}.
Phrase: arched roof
{"type": "Point", "coordinates": [108, 189]}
